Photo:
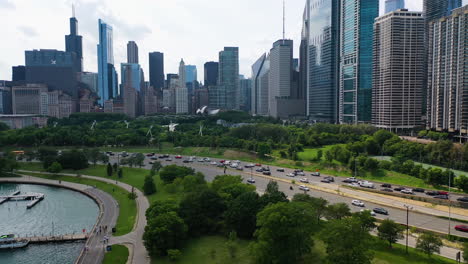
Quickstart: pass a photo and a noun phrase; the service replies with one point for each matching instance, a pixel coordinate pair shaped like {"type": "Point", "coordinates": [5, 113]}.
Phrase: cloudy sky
{"type": "Point", "coordinates": [195, 30]}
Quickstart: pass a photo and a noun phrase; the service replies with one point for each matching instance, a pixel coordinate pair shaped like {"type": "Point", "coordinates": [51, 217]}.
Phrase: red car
{"type": "Point", "coordinates": [178, 157]}
{"type": "Point", "coordinates": [258, 165]}
{"type": "Point", "coordinates": [222, 161]}
{"type": "Point", "coordinates": [463, 228]}
{"type": "Point", "coordinates": [443, 193]}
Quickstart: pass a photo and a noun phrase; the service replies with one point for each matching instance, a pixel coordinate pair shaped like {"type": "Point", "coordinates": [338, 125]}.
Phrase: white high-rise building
{"type": "Point", "coordinates": [181, 92]}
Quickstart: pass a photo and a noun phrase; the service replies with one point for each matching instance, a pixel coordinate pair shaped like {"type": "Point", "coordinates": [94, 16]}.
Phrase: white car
{"type": "Point", "coordinates": [291, 175]}
{"type": "Point", "coordinates": [304, 188]}
{"type": "Point", "coordinates": [357, 203]}
{"type": "Point", "coordinates": [214, 163]}
{"type": "Point", "coordinates": [407, 191]}
{"type": "Point", "coordinates": [304, 180]}
{"type": "Point", "coordinates": [227, 162]}
{"type": "Point", "coordinates": [370, 211]}
{"type": "Point", "coordinates": [234, 165]}
{"type": "Point", "coordinates": [207, 159]}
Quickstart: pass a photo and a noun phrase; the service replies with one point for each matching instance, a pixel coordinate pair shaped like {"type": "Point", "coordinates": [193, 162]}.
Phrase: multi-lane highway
{"type": "Point", "coordinates": [396, 210]}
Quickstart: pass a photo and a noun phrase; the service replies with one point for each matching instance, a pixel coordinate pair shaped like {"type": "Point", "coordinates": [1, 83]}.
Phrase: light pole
{"type": "Point", "coordinates": [407, 225]}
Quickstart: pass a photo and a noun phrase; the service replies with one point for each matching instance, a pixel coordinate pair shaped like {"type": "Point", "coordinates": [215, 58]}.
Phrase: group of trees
{"type": "Point", "coordinates": [8, 163]}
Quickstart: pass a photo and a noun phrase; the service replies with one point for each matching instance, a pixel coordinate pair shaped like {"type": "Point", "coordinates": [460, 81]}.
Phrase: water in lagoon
{"type": "Point", "coordinates": [61, 212]}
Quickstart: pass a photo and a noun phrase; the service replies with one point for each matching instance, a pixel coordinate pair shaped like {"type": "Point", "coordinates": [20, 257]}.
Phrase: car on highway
{"type": "Point", "coordinates": [151, 162]}
{"type": "Point", "coordinates": [201, 160]}
{"type": "Point", "coordinates": [234, 165]}
{"type": "Point", "coordinates": [304, 188]}
{"type": "Point", "coordinates": [259, 170]}
{"type": "Point", "coordinates": [432, 193]}
{"type": "Point", "coordinates": [442, 197]}
{"type": "Point", "coordinates": [124, 154]}
{"type": "Point", "coordinates": [258, 165]}
{"type": "Point", "coordinates": [462, 228]}
{"type": "Point", "coordinates": [239, 168]}
{"type": "Point", "coordinates": [168, 159]}
{"type": "Point", "coordinates": [227, 162]}
{"type": "Point", "coordinates": [161, 157]}
{"type": "Point", "coordinates": [280, 170]}
{"type": "Point", "coordinates": [386, 185]}
{"type": "Point", "coordinates": [463, 199]}
{"type": "Point", "coordinates": [186, 161]}
{"type": "Point", "coordinates": [316, 174]}
{"type": "Point", "coordinates": [150, 154]}
{"type": "Point", "coordinates": [325, 181]}
{"type": "Point", "coordinates": [398, 189]}
{"type": "Point", "coordinates": [386, 190]}
{"type": "Point", "coordinates": [379, 210]}
{"type": "Point", "coordinates": [214, 163]}
{"type": "Point", "coordinates": [407, 191]}
{"type": "Point", "coordinates": [419, 190]}
{"type": "Point", "coordinates": [367, 210]}
{"type": "Point", "coordinates": [304, 180]}
{"type": "Point", "coordinates": [268, 173]}
{"type": "Point", "coordinates": [222, 161]}
{"type": "Point", "coordinates": [350, 180]}
{"type": "Point", "coordinates": [251, 181]}
{"type": "Point", "coordinates": [329, 178]}
{"type": "Point", "coordinates": [220, 165]}
{"type": "Point", "coordinates": [178, 157]}
{"type": "Point", "coordinates": [207, 159]}
{"type": "Point", "coordinates": [300, 173]}
{"type": "Point", "coordinates": [357, 203]}
{"type": "Point", "coordinates": [443, 193]}
{"type": "Point", "coordinates": [354, 184]}
{"type": "Point", "coordinates": [291, 174]}
{"type": "Point", "coordinates": [109, 153]}
{"type": "Point", "coordinates": [248, 166]}
{"type": "Point", "coordinates": [153, 158]}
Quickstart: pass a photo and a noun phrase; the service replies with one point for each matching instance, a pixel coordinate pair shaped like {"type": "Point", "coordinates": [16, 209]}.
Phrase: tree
{"type": "Point", "coordinates": [319, 155]}
{"type": "Point", "coordinates": [263, 149]}
{"type": "Point", "coordinates": [109, 170]}
{"type": "Point", "coordinates": [337, 211]}
{"type": "Point", "coordinates": [164, 232]}
{"type": "Point", "coordinates": [155, 167]}
{"type": "Point", "coordinates": [169, 173]}
{"type": "Point", "coordinates": [94, 155]}
{"type": "Point", "coordinates": [194, 183]}
{"type": "Point", "coordinates": [7, 165]}
{"type": "Point", "coordinates": [202, 211]}
{"type": "Point", "coordinates": [429, 243]}
{"type": "Point", "coordinates": [120, 173]}
{"type": "Point", "coordinates": [272, 194]}
{"type": "Point", "coordinates": [174, 254]}
{"type": "Point", "coordinates": [139, 159]}
{"type": "Point", "coordinates": [344, 244]}
{"type": "Point", "coordinates": [390, 231]}
{"type": "Point", "coordinates": [465, 252]}
{"type": "Point", "coordinates": [55, 168]}
{"type": "Point", "coordinates": [319, 205]}
{"type": "Point", "coordinates": [75, 160]}
{"type": "Point", "coordinates": [161, 207]}
{"type": "Point", "coordinates": [371, 164]}
{"type": "Point", "coordinates": [284, 234]}
{"type": "Point", "coordinates": [329, 156]}
{"type": "Point", "coordinates": [149, 187]}
{"type": "Point", "coordinates": [462, 183]}
{"type": "Point", "coordinates": [241, 214]}
{"type": "Point", "coordinates": [115, 167]}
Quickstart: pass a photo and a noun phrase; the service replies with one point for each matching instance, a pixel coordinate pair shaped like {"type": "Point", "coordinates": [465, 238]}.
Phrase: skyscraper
{"type": "Point", "coordinates": [19, 73]}
{"type": "Point", "coordinates": [260, 81]}
{"type": "Point", "coordinates": [392, 5]}
{"type": "Point", "coordinates": [281, 68]}
{"type": "Point", "coordinates": [356, 41]}
{"type": "Point", "coordinates": [181, 93]}
{"type": "Point", "coordinates": [74, 43]}
{"type": "Point", "coordinates": [447, 108]}
{"type": "Point", "coordinates": [435, 9]}
{"type": "Point", "coordinates": [211, 73]}
{"type": "Point", "coordinates": [132, 52]}
{"type": "Point", "coordinates": [107, 77]}
{"type": "Point", "coordinates": [319, 60]}
{"type": "Point", "coordinates": [156, 70]}
{"type": "Point", "coordinates": [190, 73]}
{"type": "Point", "coordinates": [246, 94]}
{"type": "Point", "coordinates": [398, 79]}
{"type": "Point", "coordinates": [228, 77]}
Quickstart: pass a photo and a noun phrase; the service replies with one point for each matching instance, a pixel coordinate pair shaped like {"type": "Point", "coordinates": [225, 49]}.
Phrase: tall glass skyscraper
{"type": "Point", "coordinates": [319, 59]}
{"type": "Point", "coordinates": [190, 73]}
{"type": "Point", "coordinates": [228, 80]}
{"type": "Point", "coordinates": [74, 43]}
{"type": "Point", "coordinates": [107, 77]}
{"type": "Point", "coordinates": [156, 70]}
{"type": "Point", "coordinates": [356, 55]}
{"type": "Point", "coordinates": [211, 73]}
{"type": "Point", "coordinates": [392, 5]}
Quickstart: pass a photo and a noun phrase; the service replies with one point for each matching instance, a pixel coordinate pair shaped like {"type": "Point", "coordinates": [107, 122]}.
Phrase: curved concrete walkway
{"type": "Point", "coordinates": [134, 239]}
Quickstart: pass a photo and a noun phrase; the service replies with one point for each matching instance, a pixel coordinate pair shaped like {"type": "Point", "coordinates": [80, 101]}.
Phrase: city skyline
{"type": "Point", "coordinates": [151, 32]}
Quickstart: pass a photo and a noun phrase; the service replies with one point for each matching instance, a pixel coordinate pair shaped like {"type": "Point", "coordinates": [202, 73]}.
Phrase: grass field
{"type": "Point", "coordinates": [127, 207]}
{"type": "Point", "coordinates": [118, 255]}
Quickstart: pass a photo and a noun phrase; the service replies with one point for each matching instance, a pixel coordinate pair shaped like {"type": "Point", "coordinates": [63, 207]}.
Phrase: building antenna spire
{"type": "Point", "coordinates": [73, 10]}
{"type": "Point", "coordinates": [284, 20]}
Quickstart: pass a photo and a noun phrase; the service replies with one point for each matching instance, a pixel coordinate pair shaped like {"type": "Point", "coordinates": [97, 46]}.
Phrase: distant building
{"type": "Point", "coordinates": [150, 100]}
{"type": "Point", "coordinates": [246, 94]}
{"type": "Point", "coordinates": [190, 73]}
{"type": "Point", "coordinates": [181, 92]}
{"type": "Point", "coordinates": [54, 68]}
{"type": "Point", "coordinates": [447, 108]}
{"type": "Point", "coordinates": [435, 9]}
{"type": "Point", "coordinates": [200, 99]}
{"type": "Point", "coordinates": [356, 55]}
{"type": "Point", "coordinates": [132, 52]}
{"type": "Point", "coordinates": [74, 43]}
{"type": "Point", "coordinates": [22, 121]}
{"type": "Point", "coordinates": [30, 99]}
{"type": "Point", "coordinates": [211, 73]}
{"type": "Point", "coordinates": [19, 73]}
{"type": "Point", "coordinates": [87, 101]}
{"type": "Point", "coordinates": [107, 76]}
{"type": "Point", "coordinates": [90, 79]}
{"type": "Point", "coordinates": [156, 70]}
{"type": "Point", "coordinates": [131, 75]}
{"type": "Point", "coordinates": [228, 77]}
{"type": "Point", "coordinates": [260, 89]}
{"type": "Point", "coordinates": [398, 78]}
{"type": "Point", "coordinates": [5, 101]}
{"type": "Point", "coordinates": [393, 5]}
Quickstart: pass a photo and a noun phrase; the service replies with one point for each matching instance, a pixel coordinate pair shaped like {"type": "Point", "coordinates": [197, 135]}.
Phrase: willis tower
{"type": "Point", "coordinates": [73, 43]}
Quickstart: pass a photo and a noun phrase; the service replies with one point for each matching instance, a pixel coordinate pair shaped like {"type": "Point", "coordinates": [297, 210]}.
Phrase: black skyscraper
{"type": "Point", "coordinates": [211, 73]}
{"type": "Point", "coordinates": [19, 73]}
{"type": "Point", "coordinates": [156, 70]}
{"type": "Point", "coordinates": [73, 43]}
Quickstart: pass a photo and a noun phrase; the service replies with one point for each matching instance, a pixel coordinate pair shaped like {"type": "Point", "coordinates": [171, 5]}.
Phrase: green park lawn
{"type": "Point", "coordinates": [118, 255]}
{"type": "Point", "coordinates": [127, 207]}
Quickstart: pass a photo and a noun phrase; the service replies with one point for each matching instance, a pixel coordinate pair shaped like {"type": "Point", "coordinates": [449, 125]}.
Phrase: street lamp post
{"type": "Point", "coordinates": [407, 225]}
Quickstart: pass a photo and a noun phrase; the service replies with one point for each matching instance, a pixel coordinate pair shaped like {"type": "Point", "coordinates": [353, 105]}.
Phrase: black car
{"type": "Point", "coordinates": [162, 157]}
{"type": "Point", "coordinates": [325, 181]}
{"type": "Point", "coordinates": [442, 197]}
{"type": "Point", "coordinates": [380, 211]}
{"type": "Point", "coordinates": [186, 161]}
{"type": "Point", "coordinates": [267, 173]}
{"type": "Point", "coordinates": [398, 189]}
{"type": "Point", "coordinates": [419, 190]}
{"type": "Point", "coordinates": [280, 170]}
{"type": "Point", "coordinates": [348, 181]}
{"type": "Point", "coordinates": [153, 158]}
{"type": "Point", "coordinates": [432, 193]}
{"type": "Point", "coordinates": [386, 190]}
{"type": "Point", "coordinates": [463, 199]}
{"type": "Point", "coordinates": [331, 179]}
{"type": "Point", "coordinates": [386, 185]}
{"type": "Point", "coordinates": [259, 170]}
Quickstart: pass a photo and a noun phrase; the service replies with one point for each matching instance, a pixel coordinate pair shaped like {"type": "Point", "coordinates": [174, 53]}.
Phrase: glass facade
{"type": "Point", "coordinates": [190, 73]}
{"type": "Point", "coordinates": [392, 5]}
{"type": "Point", "coordinates": [356, 34]}
{"type": "Point", "coordinates": [156, 70]}
{"type": "Point", "coordinates": [322, 66]}
{"type": "Point", "coordinates": [131, 75]}
{"type": "Point", "coordinates": [228, 78]}
{"type": "Point", "coordinates": [107, 77]}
